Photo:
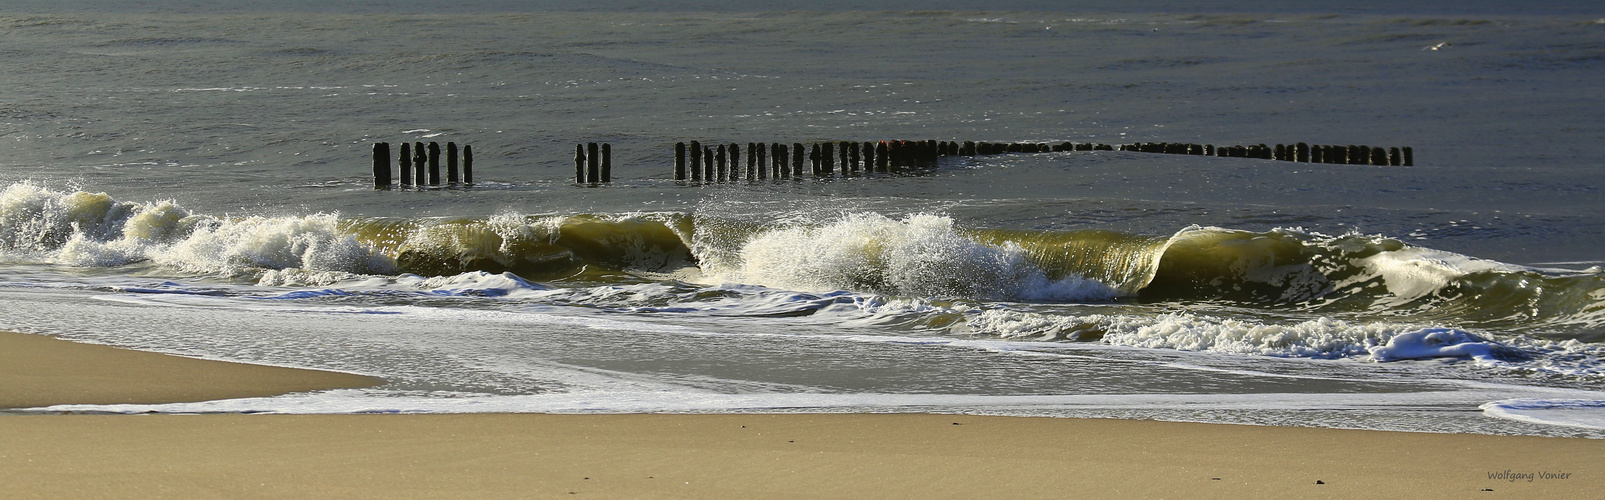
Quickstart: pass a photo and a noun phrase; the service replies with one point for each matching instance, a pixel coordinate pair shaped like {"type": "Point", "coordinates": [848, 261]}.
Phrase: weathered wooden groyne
{"type": "Point", "coordinates": [1300, 152]}
{"type": "Point", "coordinates": [717, 163]}
{"type": "Point", "coordinates": [593, 164]}
{"type": "Point", "coordinates": [416, 167]}
{"type": "Point", "coordinates": [697, 162]}
{"type": "Point", "coordinates": [419, 165]}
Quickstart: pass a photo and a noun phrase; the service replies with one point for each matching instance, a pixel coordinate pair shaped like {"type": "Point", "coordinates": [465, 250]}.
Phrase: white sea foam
{"type": "Point", "coordinates": [1434, 343]}
{"type": "Point", "coordinates": [1581, 413]}
{"type": "Point", "coordinates": [919, 255]}
{"type": "Point", "coordinates": [1317, 338]}
{"type": "Point", "coordinates": [1414, 272]}
{"type": "Point", "coordinates": [691, 400]}
{"type": "Point", "coordinates": [92, 229]}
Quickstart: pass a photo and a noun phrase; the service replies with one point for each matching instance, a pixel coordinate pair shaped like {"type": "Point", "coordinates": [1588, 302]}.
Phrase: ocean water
{"type": "Point", "coordinates": [196, 180]}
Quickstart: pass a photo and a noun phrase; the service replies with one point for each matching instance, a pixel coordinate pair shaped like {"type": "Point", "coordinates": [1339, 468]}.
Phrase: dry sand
{"type": "Point", "coordinates": [849, 455]}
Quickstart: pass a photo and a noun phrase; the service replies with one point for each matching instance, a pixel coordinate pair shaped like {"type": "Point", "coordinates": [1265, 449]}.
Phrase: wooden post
{"type": "Point", "coordinates": [841, 155]}
{"type": "Point", "coordinates": [579, 163]}
{"type": "Point", "coordinates": [1379, 156]}
{"type": "Point", "coordinates": [813, 159]}
{"type": "Point", "coordinates": [782, 168]}
{"type": "Point", "coordinates": [468, 164]}
{"type": "Point", "coordinates": [1302, 152]}
{"type": "Point", "coordinates": [607, 163]}
{"type": "Point", "coordinates": [696, 161]}
{"type": "Point", "coordinates": [777, 161]}
{"type": "Point", "coordinates": [1409, 156]}
{"type": "Point", "coordinates": [405, 173]}
{"type": "Point", "coordinates": [718, 160]}
{"type": "Point", "coordinates": [752, 161]}
{"type": "Point", "coordinates": [882, 157]}
{"type": "Point", "coordinates": [451, 164]}
{"type": "Point", "coordinates": [852, 158]}
{"type": "Point", "coordinates": [1394, 159]}
{"type": "Point", "coordinates": [827, 161]}
{"type": "Point", "coordinates": [593, 163]}
{"type": "Point", "coordinates": [679, 161]}
{"type": "Point", "coordinates": [381, 165]}
{"type": "Point", "coordinates": [434, 163]}
{"type": "Point", "coordinates": [707, 163]}
{"type": "Point", "coordinates": [1280, 153]}
{"type": "Point", "coordinates": [1318, 154]}
{"type": "Point", "coordinates": [798, 156]}
{"type": "Point", "coordinates": [761, 166]}
{"type": "Point", "coordinates": [735, 162]}
{"type": "Point", "coordinates": [420, 164]}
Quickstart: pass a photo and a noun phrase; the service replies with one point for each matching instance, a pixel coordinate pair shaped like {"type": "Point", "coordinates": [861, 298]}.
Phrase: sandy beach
{"type": "Point", "coordinates": [725, 455]}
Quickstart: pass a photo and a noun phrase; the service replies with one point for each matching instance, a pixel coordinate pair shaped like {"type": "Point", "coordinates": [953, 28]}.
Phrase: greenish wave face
{"type": "Point", "coordinates": [921, 256]}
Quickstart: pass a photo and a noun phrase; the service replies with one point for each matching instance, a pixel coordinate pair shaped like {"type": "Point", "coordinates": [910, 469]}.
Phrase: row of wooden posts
{"type": "Point", "coordinates": [1301, 152]}
{"type": "Point", "coordinates": [593, 164]}
{"type": "Point", "coordinates": [421, 168]}
{"type": "Point", "coordinates": [698, 162]}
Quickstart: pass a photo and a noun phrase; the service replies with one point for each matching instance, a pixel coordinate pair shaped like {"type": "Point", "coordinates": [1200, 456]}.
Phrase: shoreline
{"type": "Point", "coordinates": [702, 455]}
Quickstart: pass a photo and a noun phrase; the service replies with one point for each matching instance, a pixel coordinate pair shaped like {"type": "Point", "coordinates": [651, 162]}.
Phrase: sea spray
{"type": "Point", "coordinates": [919, 255]}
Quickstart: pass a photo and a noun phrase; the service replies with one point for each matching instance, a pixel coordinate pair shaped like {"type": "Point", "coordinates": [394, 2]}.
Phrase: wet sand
{"type": "Point", "coordinates": [725, 455]}
{"type": "Point", "coordinates": [41, 371]}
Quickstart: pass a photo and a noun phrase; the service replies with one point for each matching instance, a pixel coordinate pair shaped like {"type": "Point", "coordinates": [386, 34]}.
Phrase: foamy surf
{"type": "Point", "coordinates": [1580, 413]}
{"type": "Point", "coordinates": [915, 256]}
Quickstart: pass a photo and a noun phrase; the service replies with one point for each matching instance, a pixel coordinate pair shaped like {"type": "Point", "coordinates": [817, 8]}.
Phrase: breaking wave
{"type": "Point", "coordinates": [922, 256]}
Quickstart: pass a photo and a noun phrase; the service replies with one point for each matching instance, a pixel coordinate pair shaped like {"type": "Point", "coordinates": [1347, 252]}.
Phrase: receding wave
{"type": "Point", "coordinates": [916, 256]}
